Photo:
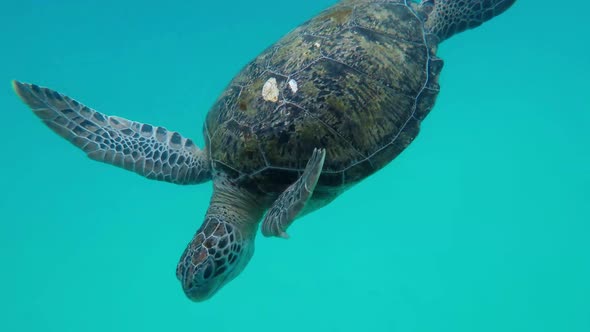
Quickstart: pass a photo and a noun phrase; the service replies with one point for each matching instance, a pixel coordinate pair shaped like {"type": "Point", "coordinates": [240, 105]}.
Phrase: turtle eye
{"type": "Point", "coordinates": [220, 270]}
{"type": "Point", "coordinates": [208, 271]}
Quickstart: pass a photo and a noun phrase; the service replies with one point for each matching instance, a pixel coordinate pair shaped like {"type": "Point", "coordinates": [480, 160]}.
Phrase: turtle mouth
{"type": "Point", "coordinates": [200, 294]}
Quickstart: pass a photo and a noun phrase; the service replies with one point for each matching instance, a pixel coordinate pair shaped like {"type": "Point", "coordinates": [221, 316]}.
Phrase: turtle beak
{"type": "Point", "coordinates": [195, 286]}
{"type": "Point", "coordinates": [199, 294]}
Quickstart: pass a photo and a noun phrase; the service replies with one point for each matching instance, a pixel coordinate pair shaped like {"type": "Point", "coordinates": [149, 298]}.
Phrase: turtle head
{"type": "Point", "coordinates": [218, 253]}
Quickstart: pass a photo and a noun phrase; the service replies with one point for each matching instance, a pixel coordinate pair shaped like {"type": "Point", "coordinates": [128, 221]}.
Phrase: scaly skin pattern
{"type": "Point", "coordinates": [147, 150]}
{"type": "Point", "coordinates": [449, 17]}
{"type": "Point", "coordinates": [366, 76]}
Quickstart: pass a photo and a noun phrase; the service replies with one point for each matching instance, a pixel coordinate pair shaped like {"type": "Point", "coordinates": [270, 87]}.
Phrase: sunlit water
{"type": "Point", "coordinates": [481, 225]}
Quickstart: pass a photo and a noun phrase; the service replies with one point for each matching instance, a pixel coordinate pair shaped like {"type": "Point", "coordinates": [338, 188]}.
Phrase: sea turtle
{"type": "Point", "coordinates": [329, 104]}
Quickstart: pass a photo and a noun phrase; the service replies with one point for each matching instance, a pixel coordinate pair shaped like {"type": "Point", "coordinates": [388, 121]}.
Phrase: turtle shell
{"type": "Point", "coordinates": [355, 80]}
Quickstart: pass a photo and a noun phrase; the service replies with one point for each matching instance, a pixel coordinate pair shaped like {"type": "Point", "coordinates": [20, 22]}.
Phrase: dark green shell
{"type": "Point", "coordinates": [366, 77]}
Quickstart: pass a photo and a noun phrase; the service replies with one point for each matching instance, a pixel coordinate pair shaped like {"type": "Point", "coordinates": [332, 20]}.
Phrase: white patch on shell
{"type": "Point", "coordinates": [270, 90]}
{"type": "Point", "coordinates": [293, 86]}
{"type": "Point", "coordinates": [317, 44]}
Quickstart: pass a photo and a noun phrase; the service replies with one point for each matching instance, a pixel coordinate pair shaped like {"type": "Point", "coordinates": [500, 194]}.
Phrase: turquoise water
{"type": "Point", "coordinates": [481, 225]}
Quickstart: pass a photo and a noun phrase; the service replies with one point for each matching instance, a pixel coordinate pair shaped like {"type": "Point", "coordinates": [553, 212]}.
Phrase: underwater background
{"type": "Point", "coordinates": [482, 224]}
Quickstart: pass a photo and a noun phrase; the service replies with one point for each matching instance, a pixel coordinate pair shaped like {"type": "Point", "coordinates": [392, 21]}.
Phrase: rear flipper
{"type": "Point", "coordinates": [449, 17]}
{"type": "Point", "coordinates": [150, 151]}
{"type": "Point", "coordinates": [286, 208]}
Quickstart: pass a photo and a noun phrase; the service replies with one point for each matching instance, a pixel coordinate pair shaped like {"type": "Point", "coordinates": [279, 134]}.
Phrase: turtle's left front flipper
{"type": "Point", "coordinates": [153, 152]}
{"type": "Point", "coordinates": [285, 209]}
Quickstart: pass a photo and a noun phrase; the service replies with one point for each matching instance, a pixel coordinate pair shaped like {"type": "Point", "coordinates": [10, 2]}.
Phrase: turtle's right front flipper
{"type": "Point", "coordinates": [153, 152]}
{"type": "Point", "coordinates": [292, 201]}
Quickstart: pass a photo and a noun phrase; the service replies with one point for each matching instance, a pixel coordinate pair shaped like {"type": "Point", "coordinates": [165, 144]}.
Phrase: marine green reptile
{"type": "Point", "coordinates": [329, 104]}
